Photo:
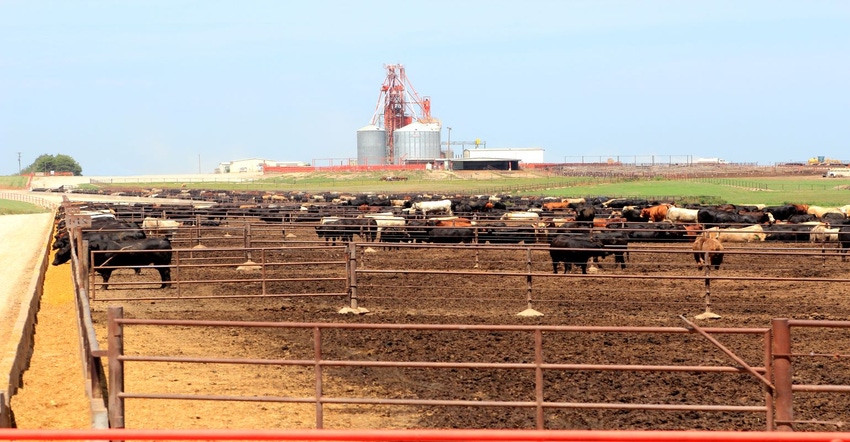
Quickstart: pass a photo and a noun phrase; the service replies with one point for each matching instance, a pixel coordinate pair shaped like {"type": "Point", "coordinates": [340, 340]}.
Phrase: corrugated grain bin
{"type": "Point", "coordinates": [371, 146]}
{"type": "Point", "coordinates": [417, 141]}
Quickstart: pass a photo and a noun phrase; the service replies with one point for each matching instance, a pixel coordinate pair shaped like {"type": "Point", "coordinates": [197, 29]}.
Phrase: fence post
{"type": "Point", "coordinates": [782, 373]}
{"type": "Point", "coordinates": [85, 267]}
{"type": "Point", "coordinates": [317, 369]}
{"type": "Point", "coordinates": [115, 342]}
{"type": "Point", "coordinates": [351, 281]}
{"type": "Point", "coordinates": [529, 311]}
{"type": "Point", "coordinates": [263, 270]}
{"type": "Point", "coordinates": [247, 242]}
{"type": "Point", "coordinates": [540, 417]}
{"type": "Point", "coordinates": [708, 314]}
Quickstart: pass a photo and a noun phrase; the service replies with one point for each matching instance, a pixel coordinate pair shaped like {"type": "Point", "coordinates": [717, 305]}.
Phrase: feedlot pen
{"type": "Point", "coordinates": [302, 281]}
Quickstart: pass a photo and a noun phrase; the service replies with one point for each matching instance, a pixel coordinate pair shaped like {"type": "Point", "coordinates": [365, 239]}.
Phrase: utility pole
{"type": "Point", "coordinates": [19, 163]}
{"type": "Point", "coordinates": [449, 143]}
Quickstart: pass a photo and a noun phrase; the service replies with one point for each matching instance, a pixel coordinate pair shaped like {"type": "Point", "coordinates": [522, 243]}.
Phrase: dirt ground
{"type": "Point", "coordinates": [52, 395]}
{"type": "Point", "coordinates": [444, 298]}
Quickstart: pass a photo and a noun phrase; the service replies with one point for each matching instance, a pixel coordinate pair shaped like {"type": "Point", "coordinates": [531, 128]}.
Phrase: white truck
{"type": "Point", "coordinates": [837, 173]}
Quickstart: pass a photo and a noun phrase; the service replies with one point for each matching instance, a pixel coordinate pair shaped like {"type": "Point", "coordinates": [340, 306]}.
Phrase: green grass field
{"type": "Point", "coordinates": [770, 191]}
{"type": "Point", "coordinates": [8, 207]}
{"type": "Point", "coordinates": [13, 181]}
{"type": "Point", "coordinates": [743, 190]}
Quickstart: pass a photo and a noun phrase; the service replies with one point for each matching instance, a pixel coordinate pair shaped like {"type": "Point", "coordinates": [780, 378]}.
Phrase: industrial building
{"type": "Point", "coordinates": [523, 154]}
{"type": "Point", "coordinates": [403, 132]}
{"type": "Point", "coordinates": [253, 165]}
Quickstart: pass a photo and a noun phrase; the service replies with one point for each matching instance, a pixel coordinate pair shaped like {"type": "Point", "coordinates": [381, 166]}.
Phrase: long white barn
{"type": "Point", "coordinates": [527, 155]}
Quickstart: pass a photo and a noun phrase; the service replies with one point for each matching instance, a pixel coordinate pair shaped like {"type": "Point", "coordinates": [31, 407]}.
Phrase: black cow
{"type": "Point", "coordinates": [803, 218]}
{"type": "Point", "coordinates": [844, 241]}
{"type": "Point", "coordinates": [508, 235]}
{"type": "Point", "coordinates": [342, 230]}
{"type": "Point", "coordinates": [833, 218]}
{"type": "Point", "coordinates": [394, 235]}
{"type": "Point", "coordinates": [585, 214]}
{"type": "Point", "coordinates": [443, 235]}
{"type": "Point", "coordinates": [615, 241]}
{"type": "Point", "coordinates": [132, 254]}
{"type": "Point", "coordinates": [112, 230]}
{"type": "Point", "coordinates": [710, 217]}
{"type": "Point", "coordinates": [562, 249]}
{"type": "Point", "coordinates": [782, 213]}
{"type": "Point", "coordinates": [654, 232]}
{"type": "Point", "coordinates": [419, 230]}
{"type": "Point", "coordinates": [788, 232]}
{"type": "Point", "coordinates": [633, 214]}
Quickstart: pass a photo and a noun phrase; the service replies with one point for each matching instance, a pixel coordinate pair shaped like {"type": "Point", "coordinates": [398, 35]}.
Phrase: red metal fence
{"type": "Point", "coordinates": [774, 375]}
{"type": "Point", "coordinates": [118, 355]}
{"type": "Point", "coordinates": [423, 435]}
{"type": "Point", "coordinates": [779, 387]}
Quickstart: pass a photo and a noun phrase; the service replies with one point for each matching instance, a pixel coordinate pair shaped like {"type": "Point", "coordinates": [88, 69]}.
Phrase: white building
{"type": "Point", "coordinates": [528, 155]}
{"type": "Point", "coordinates": [253, 165]}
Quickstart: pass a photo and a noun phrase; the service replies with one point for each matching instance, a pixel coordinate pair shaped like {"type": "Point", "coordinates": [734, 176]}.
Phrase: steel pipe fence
{"type": "Point", "coordinates": [26, 198]}
{"type": "Point", "coordinates": [358, 270]}
{"type": "Point", "coordinates": [326, 358]}
{"type": "Point", "coordinates": [89, 348]}
{"type": "Point", "coordinates": [522, 275]}
{"type": "Point", "coordinates": [798, 371]}
{"type": "Point", "coordinates": [425, 435]}
{"type": "Point", "coordinates": [233, 273]}
{"type": "Point", "coordinates": [356, 266]}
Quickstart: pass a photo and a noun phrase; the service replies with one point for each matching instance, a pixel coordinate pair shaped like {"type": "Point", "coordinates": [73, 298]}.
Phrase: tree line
{"type": "Point", "coordinates": [53, 163]}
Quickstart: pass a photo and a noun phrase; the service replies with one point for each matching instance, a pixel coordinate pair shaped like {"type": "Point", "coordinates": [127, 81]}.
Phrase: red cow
{"type": "Point", "coordinates": [693, 230]}
{"type": "Point", "coordinates": [457, 222]}
{"type": "Point", "coordinates": [655, 214]}
{"type": "Point", "coordinates": [711, 246]}
{"type": "Point", "coordinates": [555, 206]}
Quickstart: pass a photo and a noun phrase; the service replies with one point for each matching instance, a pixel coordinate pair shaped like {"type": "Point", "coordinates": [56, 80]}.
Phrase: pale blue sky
{"type": "Point", "coordinates": [144, 87]}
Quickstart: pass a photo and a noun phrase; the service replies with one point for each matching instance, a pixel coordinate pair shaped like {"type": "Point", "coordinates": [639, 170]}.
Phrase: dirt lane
{"type": "Point", "coordinates": [51, 394]}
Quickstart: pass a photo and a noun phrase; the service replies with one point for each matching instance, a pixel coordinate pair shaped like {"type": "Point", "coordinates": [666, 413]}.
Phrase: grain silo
{"type": "Point", "coordinates": [371, 146]}
{"type": "Point", "coordinates": [416, 141]}
{"type": "Point", "coordinates": [396, 111]}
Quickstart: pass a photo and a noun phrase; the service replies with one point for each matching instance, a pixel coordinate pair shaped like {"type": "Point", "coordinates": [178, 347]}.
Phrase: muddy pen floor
{"type": "Point", "coordinates": [468, 285]}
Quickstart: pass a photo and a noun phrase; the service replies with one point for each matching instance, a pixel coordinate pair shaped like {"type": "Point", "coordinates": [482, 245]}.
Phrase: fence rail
{"type": "Point", "coordinates": [424, 435]}
{"type": "Point", "coordinates": [26, 198]}
{"type": "Point", "coordinates": [117, 353]}
{"type": "Point", "coordinates": [355, 265]}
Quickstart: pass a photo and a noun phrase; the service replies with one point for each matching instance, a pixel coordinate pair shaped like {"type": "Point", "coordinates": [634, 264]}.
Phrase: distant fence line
{"type": "Point", "coordinates": [732, 182]}
{"type": "Point", "coordinates": [164, 179]}
{"type": "Point", "coordinates": [26, 198]}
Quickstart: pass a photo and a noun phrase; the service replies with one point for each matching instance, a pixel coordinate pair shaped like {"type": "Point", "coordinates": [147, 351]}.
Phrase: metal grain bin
{"type": "Point", "coordinates": [416, 141]}
{"type": "Point", "coordinates": [371, 146]}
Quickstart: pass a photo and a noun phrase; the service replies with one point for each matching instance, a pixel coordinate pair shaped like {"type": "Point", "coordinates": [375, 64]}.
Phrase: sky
{"type": "Point", "coordinates": [177, 86]}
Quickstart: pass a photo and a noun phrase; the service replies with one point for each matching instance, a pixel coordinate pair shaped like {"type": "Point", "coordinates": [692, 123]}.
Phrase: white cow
{"type": "Point", "coordinates": [819, 211]}
{"type": "Point", "coordinates": [433, 206]}
{"type": "Point", "coordinates": [168, 227]}
{"type": "Point", "coordinates": [754, 233]}
{"type": "Point", "coordinates": [823, 233]}
{"type": "Point", "coordinates": [520, 216]}
{"type": "Point", "coordinates": [680, 215]}
{"type": "Point", "coordinates": [386, 219]}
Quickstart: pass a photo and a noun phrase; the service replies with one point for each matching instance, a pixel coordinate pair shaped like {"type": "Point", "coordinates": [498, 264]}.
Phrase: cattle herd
{"type": "Point", "coordinates": [576, 230]}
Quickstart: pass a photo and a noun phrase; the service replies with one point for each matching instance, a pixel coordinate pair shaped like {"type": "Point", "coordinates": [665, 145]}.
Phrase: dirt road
{"type": "Point", "coordinates": [23, 241]}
